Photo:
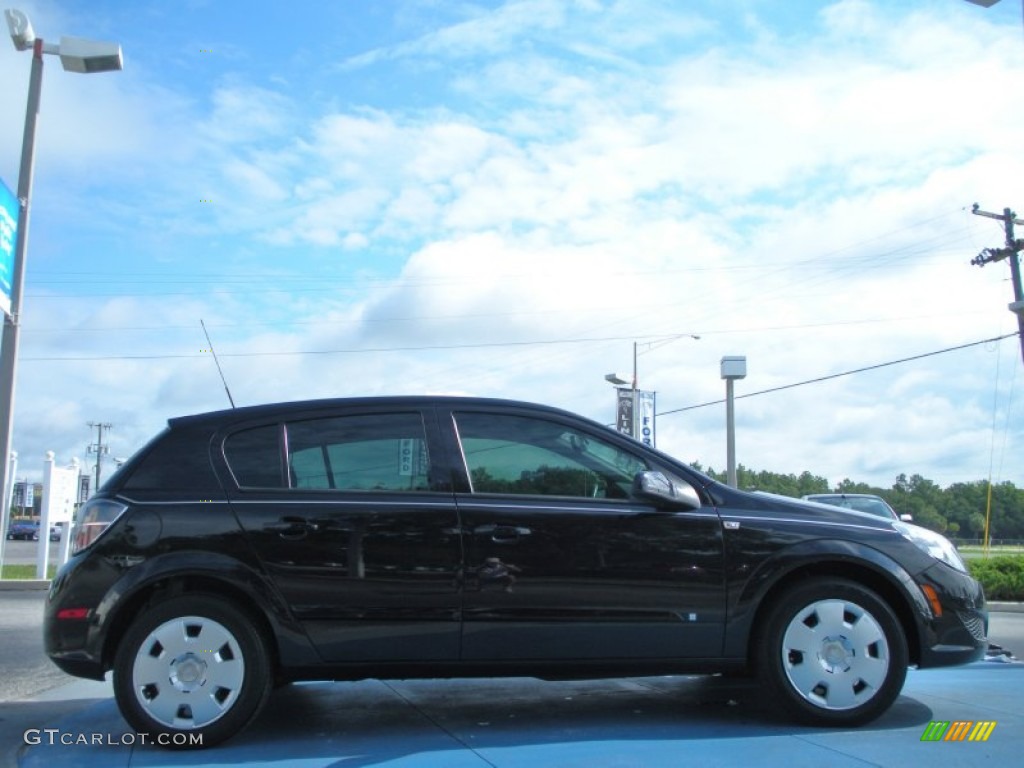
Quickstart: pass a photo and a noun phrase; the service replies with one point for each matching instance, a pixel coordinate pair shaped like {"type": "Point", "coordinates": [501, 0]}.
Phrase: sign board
{"type": "Point", "coordinates": [9, 210]}
{"type": "Point", "coordinates": [624, 411]}
{"type": "Point", "coordinates": [83, 488]}
{"type": "Point", "coordinates": [645, 417]}
{"type": "Point", "coordinates": [60, 493]}
{"type": "Point", "coordinates": [634, 414]}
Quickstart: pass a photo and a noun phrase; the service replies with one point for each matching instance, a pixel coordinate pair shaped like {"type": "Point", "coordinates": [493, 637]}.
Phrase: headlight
{"type": "Point", "coordinates": [934, 544]}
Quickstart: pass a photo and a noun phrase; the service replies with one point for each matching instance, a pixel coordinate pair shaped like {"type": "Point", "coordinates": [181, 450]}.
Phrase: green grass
{"type": "Point", "coordinates": [971, 551]}
{"type": "Point", "coordinates": [26, 572]}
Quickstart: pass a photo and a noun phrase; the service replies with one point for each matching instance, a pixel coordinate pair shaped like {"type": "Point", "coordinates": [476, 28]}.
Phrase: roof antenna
{"type": "Point", "coordinates": [230, 399]}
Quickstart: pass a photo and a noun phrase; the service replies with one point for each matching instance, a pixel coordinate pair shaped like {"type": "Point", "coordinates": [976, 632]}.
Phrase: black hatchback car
{"type": "Point", "coordinates": [457, 537]}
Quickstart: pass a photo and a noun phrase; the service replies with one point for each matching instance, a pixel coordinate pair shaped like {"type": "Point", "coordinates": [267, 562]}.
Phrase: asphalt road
{"type": "Point", "coordinates": [18, 552]}
{"type": "Point", "coordinates": [24, 668]}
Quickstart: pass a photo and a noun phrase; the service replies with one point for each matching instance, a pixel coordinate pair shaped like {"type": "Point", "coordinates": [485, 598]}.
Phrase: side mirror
{"type": "Point", "coordinates": [656, 487]}
{"type": "Point", "coordinates": [907, 518]}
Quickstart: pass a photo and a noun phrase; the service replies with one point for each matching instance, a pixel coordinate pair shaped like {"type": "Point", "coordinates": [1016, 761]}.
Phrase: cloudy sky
{"type": "Point", "coordinates": [502, 198]}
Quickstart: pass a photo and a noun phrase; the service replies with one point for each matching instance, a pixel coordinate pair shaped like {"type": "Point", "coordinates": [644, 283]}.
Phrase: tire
{"type": "Point", "coordinates": [832, 653]}
{"type": "Point", "coordinates": [191, 672]}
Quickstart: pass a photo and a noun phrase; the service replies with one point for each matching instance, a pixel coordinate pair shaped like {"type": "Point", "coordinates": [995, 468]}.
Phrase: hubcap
{"type": "Point", "coordinates": [835, 655]}
{"type": "Point", "coordinates": [188, 672]}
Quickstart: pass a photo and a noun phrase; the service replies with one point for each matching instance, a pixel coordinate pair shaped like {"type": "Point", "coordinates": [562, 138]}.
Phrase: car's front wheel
{"type": "Point", "coordinates": [191, 672]}
{"type": "Point", "coordinates": [833, 653]}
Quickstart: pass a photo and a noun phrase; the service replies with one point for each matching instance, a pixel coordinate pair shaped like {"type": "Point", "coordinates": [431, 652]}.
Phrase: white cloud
{"type": "Point", "coordinates": [619, 171]}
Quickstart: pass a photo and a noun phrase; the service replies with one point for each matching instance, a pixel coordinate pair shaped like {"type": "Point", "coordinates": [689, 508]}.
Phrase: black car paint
{"type": "Point", "coordinates": [698, 610]}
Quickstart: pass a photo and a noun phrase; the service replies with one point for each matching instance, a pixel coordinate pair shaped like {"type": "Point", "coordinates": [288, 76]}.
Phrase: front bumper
{"type": "Point", "coordinates": [957, 632]}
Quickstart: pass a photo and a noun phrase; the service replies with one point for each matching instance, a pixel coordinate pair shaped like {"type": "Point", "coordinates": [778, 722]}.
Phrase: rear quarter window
{"type": "Point", "coordinates": [254, 457]}
{"type": "Point", "coordinates": [177, 461]}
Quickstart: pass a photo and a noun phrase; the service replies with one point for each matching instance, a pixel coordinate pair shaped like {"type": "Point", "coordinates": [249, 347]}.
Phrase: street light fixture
{"type": "Point", "coordinates": [732, 368]}
{"type": "Point", "coordinates": [76, 55]}
{"type": "Point", "coordinates": [990, 3]}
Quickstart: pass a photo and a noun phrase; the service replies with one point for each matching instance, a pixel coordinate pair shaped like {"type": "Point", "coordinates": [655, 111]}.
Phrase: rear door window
{"type": "Point", "coordinates": [365, 452]}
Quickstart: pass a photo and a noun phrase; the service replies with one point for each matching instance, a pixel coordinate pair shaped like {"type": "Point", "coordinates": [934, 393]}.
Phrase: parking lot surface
{"type": "Point", "coordinates": [506, 723]}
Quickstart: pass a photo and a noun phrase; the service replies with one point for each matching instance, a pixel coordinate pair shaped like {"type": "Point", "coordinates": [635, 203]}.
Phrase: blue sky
{"type": "Point", "coordinates": [500, 198]}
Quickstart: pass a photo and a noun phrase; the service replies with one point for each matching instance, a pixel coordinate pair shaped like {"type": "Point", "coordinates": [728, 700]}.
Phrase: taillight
{"type": "Point", "coordinates": [94, 517]}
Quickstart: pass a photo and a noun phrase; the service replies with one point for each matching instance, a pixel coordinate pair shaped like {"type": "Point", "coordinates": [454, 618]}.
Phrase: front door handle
{"type": "Point", "coordinates": [508, 534]}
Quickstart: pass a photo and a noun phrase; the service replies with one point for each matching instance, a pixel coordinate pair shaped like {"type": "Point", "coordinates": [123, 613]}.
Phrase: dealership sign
{"type": "Point", "coordinates": [634, 414]}
{"type": "Point", "coordinates": [9, 210]}
{"type": "Point", "coordinates": [645, 417]}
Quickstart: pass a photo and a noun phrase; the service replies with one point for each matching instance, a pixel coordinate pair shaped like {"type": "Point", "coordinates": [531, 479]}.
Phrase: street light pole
{"type": "Point", "coordinates": [636, 403]}
{"type": "Point", "coordinates": [76, 55]}
{"type": "Point", "coordinates": [12, 321]}
{"type": "Point", "coordinates": [732, 368]}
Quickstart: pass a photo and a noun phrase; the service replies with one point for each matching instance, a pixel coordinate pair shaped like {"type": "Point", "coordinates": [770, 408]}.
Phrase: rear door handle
{"type": "Point", "coordinates": [292, 527]}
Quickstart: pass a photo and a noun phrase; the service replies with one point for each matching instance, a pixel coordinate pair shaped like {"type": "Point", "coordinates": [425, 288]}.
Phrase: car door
{"type": "Point", "coordinates": [356, 528]}
{"type": "Point", "coordinates": [562, 562]}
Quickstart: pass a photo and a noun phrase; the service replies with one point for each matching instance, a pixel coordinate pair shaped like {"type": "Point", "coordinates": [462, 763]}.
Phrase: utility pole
{"type": "Point", "coordinates": [1010, 252]}
{"type": "Point", "coordinates": [99, 448]}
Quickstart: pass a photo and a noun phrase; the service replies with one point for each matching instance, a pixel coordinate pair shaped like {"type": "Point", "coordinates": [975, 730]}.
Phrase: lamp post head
{"type": "Point", "coordinates": [87, 56]}
{"type": "Point", "coordinates": [20, 28]}
{"type": "Point", "coordinates": [614, 378]}
{"type": "Point", "coordinates": [76, 54]}
{"type": "Point", "coordinates": [734, 367]}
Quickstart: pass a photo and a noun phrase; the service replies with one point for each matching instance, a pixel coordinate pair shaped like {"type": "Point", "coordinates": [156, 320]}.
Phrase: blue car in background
{"type": "Point", "coordinates": [27, 531]}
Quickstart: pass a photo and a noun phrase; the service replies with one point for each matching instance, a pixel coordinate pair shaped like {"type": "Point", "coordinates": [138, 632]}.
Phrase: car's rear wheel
{"type": "Point", "coordinates": [832, 652]}
{"type": "Point", "coordinates": [191, 672]}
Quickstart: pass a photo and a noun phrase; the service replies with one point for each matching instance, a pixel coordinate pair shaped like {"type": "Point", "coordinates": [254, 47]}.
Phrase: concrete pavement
{"type": "Point", "coordinates": [627, 722]}
{"type": "Point", "coordinates": [507, 723]}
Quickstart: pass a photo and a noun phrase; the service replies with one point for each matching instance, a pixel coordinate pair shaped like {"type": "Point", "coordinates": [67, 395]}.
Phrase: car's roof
{"type": "Point", "coordinates": [285, 408]}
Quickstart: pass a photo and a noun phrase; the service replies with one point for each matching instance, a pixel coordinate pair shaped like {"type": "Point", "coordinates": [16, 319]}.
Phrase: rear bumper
{"type": "Point", "coordinates": [82, 666]}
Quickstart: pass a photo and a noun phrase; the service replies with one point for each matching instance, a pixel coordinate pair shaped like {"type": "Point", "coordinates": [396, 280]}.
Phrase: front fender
{"type": "Point", "coordinates": [820, 557]}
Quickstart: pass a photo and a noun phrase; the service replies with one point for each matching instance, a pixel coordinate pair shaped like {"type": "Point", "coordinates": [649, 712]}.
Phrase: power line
{"type": "Point", "coordinates": [477, 315]}
{"type": "Point", "coordinates": [649, 338]}
{"type": "Point", "coordinates": [844, 373]}
{"type": "Point", "coordinates": [834, 261]}
{"type": "Point", "coordinates": [361, 350]}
